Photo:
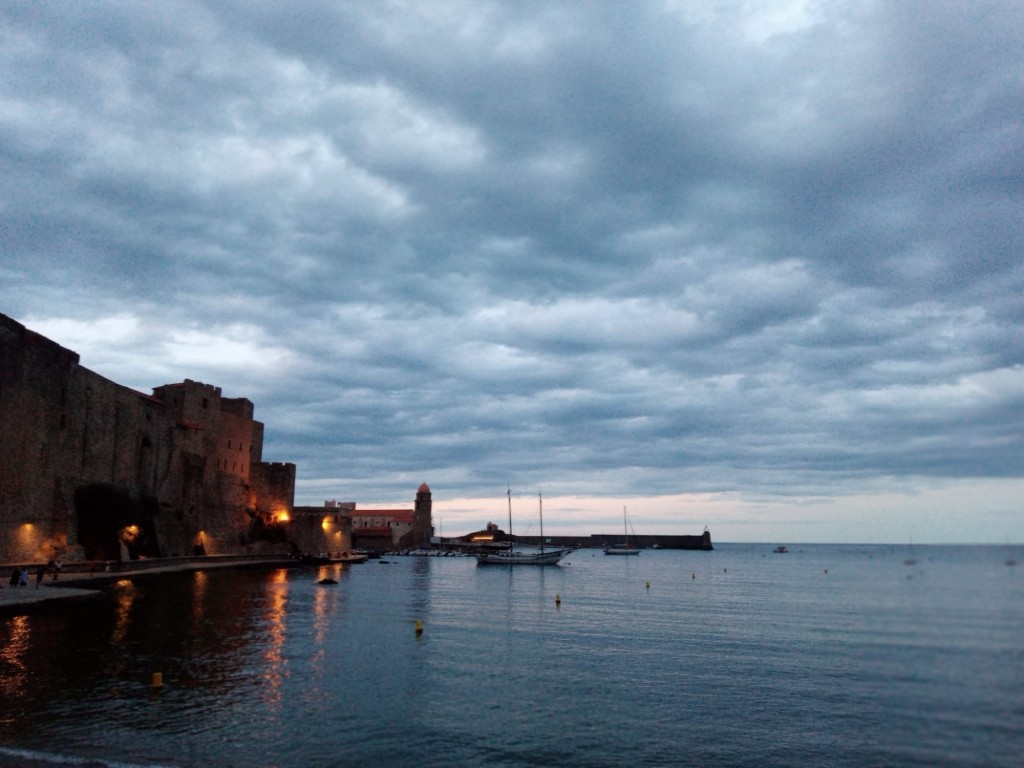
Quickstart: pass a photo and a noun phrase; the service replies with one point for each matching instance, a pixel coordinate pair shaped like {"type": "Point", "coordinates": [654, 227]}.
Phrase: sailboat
{"type": "Point", "coordinates": [626, 547]}
{"type": "Point", "coordinates": [513, 556]}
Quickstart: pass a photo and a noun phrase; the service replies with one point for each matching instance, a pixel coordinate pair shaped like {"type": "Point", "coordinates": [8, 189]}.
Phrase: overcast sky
{"type": "Point", "coordinates": [756, 266]}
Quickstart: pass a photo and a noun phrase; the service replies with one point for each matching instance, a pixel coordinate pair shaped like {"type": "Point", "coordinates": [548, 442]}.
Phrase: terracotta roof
{"type": "Point", "coordinates": [399, 515]}
{"type": "Point", "coordinates": [424, 488]}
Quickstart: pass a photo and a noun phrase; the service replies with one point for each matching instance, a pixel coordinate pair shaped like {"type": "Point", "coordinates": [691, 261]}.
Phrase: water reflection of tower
{"type": "Point", "coordinates": [422, 525]}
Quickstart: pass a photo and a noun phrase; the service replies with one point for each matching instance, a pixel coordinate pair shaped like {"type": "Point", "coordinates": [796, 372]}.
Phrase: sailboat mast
{"type": "Point", "coordinates": [540, 503]}
{"type": "Point", "coordinates": [510, 518]}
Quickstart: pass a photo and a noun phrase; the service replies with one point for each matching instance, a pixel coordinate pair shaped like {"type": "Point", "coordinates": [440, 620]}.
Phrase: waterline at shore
{"type": "Point", "coordinates": [85, 583]}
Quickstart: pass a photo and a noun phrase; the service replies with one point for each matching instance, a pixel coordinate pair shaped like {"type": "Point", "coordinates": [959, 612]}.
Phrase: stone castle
{"type": "Point", "coordinates": [93, 470]}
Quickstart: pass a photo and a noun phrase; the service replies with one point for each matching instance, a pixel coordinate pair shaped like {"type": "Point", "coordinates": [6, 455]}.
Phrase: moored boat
{"type": "Point", "coordinates": [516, 556]}
{"type": "Point", "coordinates": [621, 549]}
{"type": "Point", "coordinates": [523, 557]}
{"type": "Point", "coordinates": [627, 547]}
{"type": "Point", "coordinates": [343, 557]}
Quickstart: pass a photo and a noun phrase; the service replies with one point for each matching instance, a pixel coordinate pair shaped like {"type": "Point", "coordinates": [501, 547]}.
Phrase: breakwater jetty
{"type": "Point", "coordinates": [700, 542]}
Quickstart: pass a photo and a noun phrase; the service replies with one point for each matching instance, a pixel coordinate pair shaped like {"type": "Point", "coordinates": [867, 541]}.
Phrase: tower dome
{"type": "Point", "coordinates": [424, 488]}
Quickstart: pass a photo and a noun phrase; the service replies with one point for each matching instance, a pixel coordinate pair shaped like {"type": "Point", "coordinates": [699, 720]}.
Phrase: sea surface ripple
{"type": "Point", "coordinates": [828, 655]}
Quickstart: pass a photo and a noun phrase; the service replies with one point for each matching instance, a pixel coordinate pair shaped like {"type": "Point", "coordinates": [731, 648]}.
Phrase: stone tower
{"type": "Point", "coordinates": [422, 525]}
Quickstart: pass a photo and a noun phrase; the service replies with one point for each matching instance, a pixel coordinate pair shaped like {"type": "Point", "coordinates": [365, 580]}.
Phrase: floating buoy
{"type": "Point", "coordinates": [157, 680]}
{"type": "Point", "coordinates": [419, 627]}
{"type": "Point", "coordinates": [558, 599]}
{"type": "Point", "coordinates": [648, 585]}
{"type": "Point", "coordinates": [725, 570]}
{"type": "Point", "coordinates": [693, 574]}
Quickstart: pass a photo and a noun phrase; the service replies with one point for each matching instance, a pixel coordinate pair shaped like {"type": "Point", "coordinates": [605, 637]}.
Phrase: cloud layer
{"type": "Point", "coordinates": [602, 249]}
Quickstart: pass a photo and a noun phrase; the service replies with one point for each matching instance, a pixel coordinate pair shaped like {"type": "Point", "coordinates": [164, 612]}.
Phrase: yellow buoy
{"type": "Point", "coordinates": [419, 627]}
{"type": "Point", "coordinates": [157, 680]}
{"type": "Point", "coordinates": [558, 599]}
{"type": "Point", "coordinates": [648, 585]}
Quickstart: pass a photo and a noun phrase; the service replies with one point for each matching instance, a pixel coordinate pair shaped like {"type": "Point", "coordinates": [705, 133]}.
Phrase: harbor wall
{"type": "Point", "coordinates": [321, 530]}
{"type": "Point", "coordinates": [700, 542]}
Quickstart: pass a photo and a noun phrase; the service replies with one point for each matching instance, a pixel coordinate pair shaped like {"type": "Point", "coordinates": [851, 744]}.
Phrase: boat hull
{"type": "Point", "coordinates": [550, 557]}
{"type": "Point", "coordinates": [621, 551]}
{"type": "Point", "coordinates": [348, 557]}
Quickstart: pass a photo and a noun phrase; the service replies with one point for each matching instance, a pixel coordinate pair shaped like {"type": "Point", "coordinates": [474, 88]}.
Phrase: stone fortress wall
{"type": "Point", "coordinates": [90, 469]}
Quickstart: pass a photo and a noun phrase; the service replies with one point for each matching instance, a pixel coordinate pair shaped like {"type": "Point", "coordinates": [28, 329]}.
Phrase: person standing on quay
{"type": "Point", "coordinates": [39, 575]}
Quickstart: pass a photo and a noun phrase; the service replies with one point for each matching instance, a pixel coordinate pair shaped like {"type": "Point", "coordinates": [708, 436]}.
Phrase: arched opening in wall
{"type": "Point", "coordinates": [262, 529]}
{"type": "Point", "coordinates": [112, 522]}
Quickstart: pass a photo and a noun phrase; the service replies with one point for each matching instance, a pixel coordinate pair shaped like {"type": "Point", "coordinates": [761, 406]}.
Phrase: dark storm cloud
{"type": "Point", "coordinates": [611, 248]}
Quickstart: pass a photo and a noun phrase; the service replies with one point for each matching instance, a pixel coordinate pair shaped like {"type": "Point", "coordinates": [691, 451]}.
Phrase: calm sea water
{"type": "Point", "coordinates": [826, 656]}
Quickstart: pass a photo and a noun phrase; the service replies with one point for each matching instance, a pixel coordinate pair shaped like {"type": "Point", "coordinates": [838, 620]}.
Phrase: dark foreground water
{"type": "Point", "coordinates": [826, 656]}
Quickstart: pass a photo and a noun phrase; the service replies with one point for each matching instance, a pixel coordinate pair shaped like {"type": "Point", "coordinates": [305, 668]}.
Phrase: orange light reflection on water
{"type": "Point", "coordinates": [325, 606]}
{"type": "Point", "coordinates": [200, 582]}
{"type": "Point", "coordinates": [324, 602]}
{"type": "Point", "coordinates": [14, 680]}
{"type": "Point", "coordinates": [125, 595]}
{"type": "Point", "coordinates": [276, 669]}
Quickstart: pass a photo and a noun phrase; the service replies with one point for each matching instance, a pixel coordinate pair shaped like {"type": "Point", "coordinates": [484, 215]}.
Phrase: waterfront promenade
{"type": "Point", "coordinates": [80, 580]}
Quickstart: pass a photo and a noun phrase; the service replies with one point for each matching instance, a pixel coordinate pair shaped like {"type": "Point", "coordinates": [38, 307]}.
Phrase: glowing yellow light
{"type": "Point", "coordinates": [27, 535]}
{"type": "Point", "coordinates": [326, 524]}
{"type": "Point", "coordinates": [282, 517]}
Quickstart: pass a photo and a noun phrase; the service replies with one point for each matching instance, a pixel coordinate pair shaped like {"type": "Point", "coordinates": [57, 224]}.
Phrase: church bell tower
{"type": "Point", "coordinates": [421, 520]}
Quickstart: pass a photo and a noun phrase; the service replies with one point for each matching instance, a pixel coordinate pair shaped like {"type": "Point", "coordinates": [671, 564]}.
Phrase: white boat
{"type": "Point", "coordinates": [514, 556]}
{"type": "Point", "coordinates": [626, 547]}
